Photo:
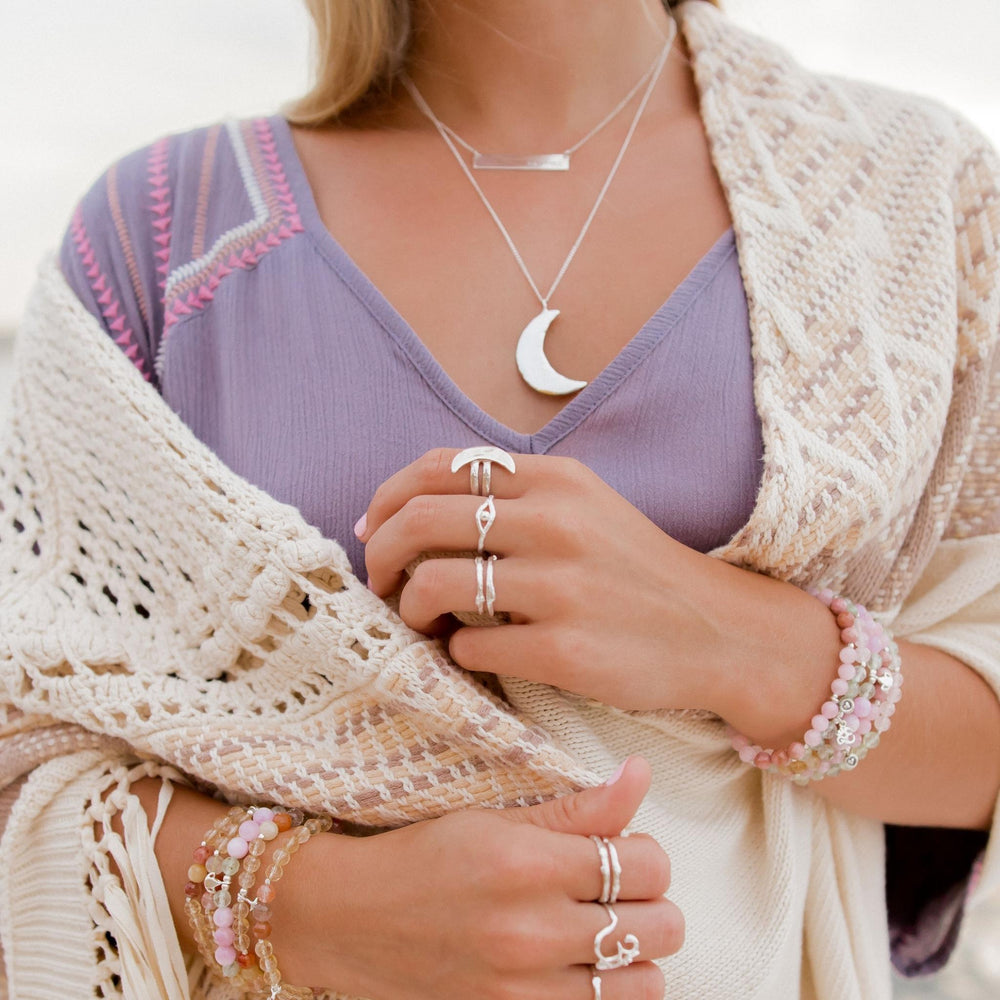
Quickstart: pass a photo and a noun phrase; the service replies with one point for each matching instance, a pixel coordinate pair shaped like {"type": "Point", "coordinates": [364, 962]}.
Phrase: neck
{"type": "Point", "coordinates": [520, 75]}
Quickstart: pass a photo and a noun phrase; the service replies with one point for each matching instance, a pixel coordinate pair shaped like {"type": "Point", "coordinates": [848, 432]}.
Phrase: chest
{"type": "Point", "coordinates": [401, 207]}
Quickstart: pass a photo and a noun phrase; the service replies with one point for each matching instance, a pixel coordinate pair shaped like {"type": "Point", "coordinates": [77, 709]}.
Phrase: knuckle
{"type": "Point", "coordinates": [436, 465]}
{"type": "Point", "coordinates": [672, 929]}
{"type": "Point", "coordinates": [421, 513]}
{"type": "Point", "coordinates": [425, 582]}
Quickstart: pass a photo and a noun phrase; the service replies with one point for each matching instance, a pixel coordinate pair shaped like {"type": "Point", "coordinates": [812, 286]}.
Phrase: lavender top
{"type": "Point", "coordinates": [205, 257]}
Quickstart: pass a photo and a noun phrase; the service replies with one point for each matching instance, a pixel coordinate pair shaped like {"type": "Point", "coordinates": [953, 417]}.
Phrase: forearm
{"type": "Point", "coordinates": [939, 765]}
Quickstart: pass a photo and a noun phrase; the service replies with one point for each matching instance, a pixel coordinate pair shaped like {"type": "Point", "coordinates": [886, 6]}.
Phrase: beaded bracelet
{"type": "Point", "coordinates": [222, 930]}
{"type": "Point", "coordinates": [862, 702]}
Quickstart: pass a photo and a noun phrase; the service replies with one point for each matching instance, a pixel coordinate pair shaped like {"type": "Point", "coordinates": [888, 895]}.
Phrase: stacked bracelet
{"type": "Point", "coordinates": [860, 708]}
{"type": "Point", "coordinates": [228, 859]}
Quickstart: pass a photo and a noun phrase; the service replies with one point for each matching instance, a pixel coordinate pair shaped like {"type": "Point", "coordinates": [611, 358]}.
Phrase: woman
{"type": "Point", "coordinates": [816, 412]}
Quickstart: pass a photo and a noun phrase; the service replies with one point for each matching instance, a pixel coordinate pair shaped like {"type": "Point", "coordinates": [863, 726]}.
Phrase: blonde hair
{"type": "Point", "coordinates": [361, 46]}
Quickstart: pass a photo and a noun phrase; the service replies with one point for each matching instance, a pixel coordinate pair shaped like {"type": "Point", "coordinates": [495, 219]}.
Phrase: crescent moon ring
{"type": "Point", "coordinates": [534, 365]}
{"type": "Point", "coordinates": [480, 458]}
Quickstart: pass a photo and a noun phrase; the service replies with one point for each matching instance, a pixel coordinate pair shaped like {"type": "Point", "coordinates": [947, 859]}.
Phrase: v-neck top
{"type": "Point", "coordinates": [206, 258]}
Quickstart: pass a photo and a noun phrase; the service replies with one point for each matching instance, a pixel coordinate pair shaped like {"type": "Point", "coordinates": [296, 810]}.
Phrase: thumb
{"type": "Point", "coordinates": [605, 810]}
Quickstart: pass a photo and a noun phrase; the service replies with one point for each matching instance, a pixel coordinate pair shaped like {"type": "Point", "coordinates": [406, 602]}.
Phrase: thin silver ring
{"type": "Point", "coordinates": [626, 950]}
{"type": "Point", "coordinates": [486, 514]}
{"type": "Point", "coordinates": [602, 850]}
{"type": "Point", "coordinates": [616, 871]}
{"type": "Point", "coordinates": [491, 594]}
{"type": "Point", "coordinates": [595, 983]}
{"type": "Point", "coordinates": [480, 592]}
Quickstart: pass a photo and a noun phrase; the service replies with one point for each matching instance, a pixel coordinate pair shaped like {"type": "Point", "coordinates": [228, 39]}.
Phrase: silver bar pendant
{"type": "Point", "coordinates": [498, 161]}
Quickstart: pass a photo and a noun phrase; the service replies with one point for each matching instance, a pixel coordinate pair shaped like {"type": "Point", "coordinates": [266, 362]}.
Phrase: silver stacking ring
{"type": "Point", "coordinates": [602, 850]}
{"type": "Point", "coordinates": [611, 870]}
{"type": "Point", "coordinates": [486, 514]}
{"type": "Point", "coordinates": [486, 593]}
{"type": "Point", "coordinates": [595, 982]}
{"type": "Point", "coordinates": [626, 950]}
{"type": "Point", "coordinates": [480, 459]}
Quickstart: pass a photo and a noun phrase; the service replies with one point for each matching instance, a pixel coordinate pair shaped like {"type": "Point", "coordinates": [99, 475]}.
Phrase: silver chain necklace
{"type": "Point", "coordinates": [547, 161]}
{"type": "Point", "coordinates": [530, 353]}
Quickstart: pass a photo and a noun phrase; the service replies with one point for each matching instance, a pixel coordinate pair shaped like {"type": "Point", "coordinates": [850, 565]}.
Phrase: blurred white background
{"type": "Point", "coordinates": [85, 81]}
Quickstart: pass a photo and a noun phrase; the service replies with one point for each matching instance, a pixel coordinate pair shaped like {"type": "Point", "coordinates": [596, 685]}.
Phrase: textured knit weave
{"type": "Point", "coordinates": [163, 604]}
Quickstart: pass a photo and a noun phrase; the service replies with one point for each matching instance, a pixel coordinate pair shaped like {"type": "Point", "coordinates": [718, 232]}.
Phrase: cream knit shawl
{"type": "Point", "coordinates": [156, 608]}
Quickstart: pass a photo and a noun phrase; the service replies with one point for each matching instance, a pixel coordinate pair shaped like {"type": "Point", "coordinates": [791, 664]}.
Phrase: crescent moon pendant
{"type": "Point", "coordinates": [534, 365]}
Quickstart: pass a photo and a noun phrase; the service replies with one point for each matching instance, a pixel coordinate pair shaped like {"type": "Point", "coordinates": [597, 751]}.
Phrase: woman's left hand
{"type": "Point", "coordinates": [602, 602]}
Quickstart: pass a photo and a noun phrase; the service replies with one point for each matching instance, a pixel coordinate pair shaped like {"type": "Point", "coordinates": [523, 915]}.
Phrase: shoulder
{"type": "Point", "coordinates": [162, 226]}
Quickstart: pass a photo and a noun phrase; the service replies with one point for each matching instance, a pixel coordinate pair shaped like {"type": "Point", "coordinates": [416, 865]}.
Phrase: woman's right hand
{"type": "Point", "coordinates": [483, 904]}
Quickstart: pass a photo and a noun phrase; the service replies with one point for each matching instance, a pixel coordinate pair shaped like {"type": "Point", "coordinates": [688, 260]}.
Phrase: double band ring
{"type": "Point", "coordinates": [611, 870]}
{"type": "Point", "coordinates": [486, 514]}
{"type": "Point", "coordinates": [486, 593]}
{"type": "Point", "coordinates": [479, 460]}
{"type": "Point", "coordinates": [626, 950]}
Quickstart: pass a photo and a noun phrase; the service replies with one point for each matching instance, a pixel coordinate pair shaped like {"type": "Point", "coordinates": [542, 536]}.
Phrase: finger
{"type": "Point", "coordinates": [605, 809]}
{"type": "Point", "coordinates": [535, 651]}
{"type": "Point", "coordinates": [640, 979]}
{"type": "Point", "coordinates": [645, 869]}
{"type": "Point", "coordinates": [440, 586]}
{"type": "Point", "coordinates": [654, 927]}
{"type": "Point", "coordinates": [441, 523]}
{"type": "Point", "coordinates": [431, 474]}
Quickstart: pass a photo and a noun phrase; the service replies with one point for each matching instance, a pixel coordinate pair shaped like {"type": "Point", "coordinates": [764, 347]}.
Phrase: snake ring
{"type": "Point", "coordinates": [480, 459]}
{"type": "Point", "coordinates": [626, 950]}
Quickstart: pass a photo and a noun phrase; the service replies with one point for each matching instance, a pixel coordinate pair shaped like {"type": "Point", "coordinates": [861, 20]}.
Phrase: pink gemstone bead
{"type": "Point", "coordinates": [826, 595]}
{"type": "Point", "coordinates": [263, 815]}
{"type": "Point", "coordinates": [266, 892]}
{"type": "Point", "coordinates": [890, 711]}
{"type": "Point", "coordinates": [748, 753]}
{"type": "Point", "coordinates": [894, 695]}
{"type": "Point", "coordinates": [829, 710]}
{"type": "Point", "coordinates": [739, 741]}
{"type": "Point", "coordinates": [223, 917]}
{"type": "Point", "coordinates": [845, 619]}
{"type": "Point", "coordinates": [849, 635]}
{"type": "Point", "coordinates": [847, 670]}
{"type": "Point", "coordinates": [224, 935]}
{"type": "Point", "coordinates": [237, 848]}
{"type": "Point", "coordinates": [201, 854]}
{"type": "Point", "coordinates": [823, 766]}
{"type": "Point", "coordinates": [838, 605]}
{"type": "Point", "coordinates": [865, 726]}
{"type": "Point", "coordinates": [883, 724]}
{"type": "Point", "coordinates": [899, 680]}
{"type": "Point", "coordinates": [781, 758]}
{"type": "Point", "coordinates": [862, 708]}
{"type": "Point", "coordinates": [839, 687]}
{"type": "Point", "coordinates": [225, 955]}
{"type": "Point", "coordinates": [762, 760]}
{"type": "Point", "coordinates": [819, 723]}
{"type": "Point", "coordinates": [249, 830]}
{"type": "Point", "coordinates": [852, 722]}
{"type": "Point", "coordinates": [812, 738]}
{"type": "Point", "coordinates": [796, 751]}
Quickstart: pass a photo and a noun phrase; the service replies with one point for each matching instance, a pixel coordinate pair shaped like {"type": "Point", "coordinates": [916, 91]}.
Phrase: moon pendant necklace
{"type": "Point", "coordinates": [532, 363]}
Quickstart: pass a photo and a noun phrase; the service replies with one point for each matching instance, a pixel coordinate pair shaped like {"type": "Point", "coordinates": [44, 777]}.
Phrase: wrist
{"type": "Point", "coordinates": [783, 652]}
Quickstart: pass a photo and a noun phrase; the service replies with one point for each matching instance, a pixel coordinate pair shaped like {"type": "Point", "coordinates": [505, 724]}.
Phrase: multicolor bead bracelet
{"type": "Point", "coordinates": [862, 702]}
{"type": "Point", "coordinates": [231, 852]}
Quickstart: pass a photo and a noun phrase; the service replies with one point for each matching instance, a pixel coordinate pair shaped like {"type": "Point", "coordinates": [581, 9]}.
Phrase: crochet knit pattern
{"type": "Point", "coordinates": [154, 607]}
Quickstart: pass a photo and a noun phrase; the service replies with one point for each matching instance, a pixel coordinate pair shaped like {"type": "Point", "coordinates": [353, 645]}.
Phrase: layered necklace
{"type": "Point", "coordinates": [530, 353]}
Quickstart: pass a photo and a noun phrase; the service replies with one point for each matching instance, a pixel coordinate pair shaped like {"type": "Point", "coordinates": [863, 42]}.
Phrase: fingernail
{"type": "Point", "coordinates": [359, 528]}
{"type": "Point", "coordinates": [621, 770]}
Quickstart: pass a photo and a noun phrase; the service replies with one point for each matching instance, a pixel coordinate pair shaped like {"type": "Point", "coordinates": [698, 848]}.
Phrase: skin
{"type": "Point", "coordinates": [493, 904]}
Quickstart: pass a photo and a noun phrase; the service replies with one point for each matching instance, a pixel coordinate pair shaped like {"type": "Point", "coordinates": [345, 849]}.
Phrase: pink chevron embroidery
{"type": "Point", "coordinates": [160, 206]}
{"type": "Point", "coordinates": [111, 307]}
{"type": "Point", "coordinates": [244, 251]}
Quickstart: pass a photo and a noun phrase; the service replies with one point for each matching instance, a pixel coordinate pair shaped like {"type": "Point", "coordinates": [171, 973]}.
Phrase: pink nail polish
{"type": "Point", "coordinates": [359, 528]}
{"type": "Point", "coordinates": [621, 770]}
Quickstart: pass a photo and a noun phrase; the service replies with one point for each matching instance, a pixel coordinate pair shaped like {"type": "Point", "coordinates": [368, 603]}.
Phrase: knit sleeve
{"type": "Point", "coordinates": [955, 604]}
{"type": "Point", "coordinates": [116, 250]}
